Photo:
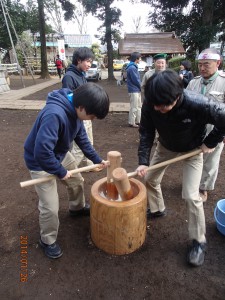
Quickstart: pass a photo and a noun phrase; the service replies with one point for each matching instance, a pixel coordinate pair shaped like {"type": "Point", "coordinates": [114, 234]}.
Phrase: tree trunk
{"type": "Point", "coordinates": [110, 55]}
{"type": "Point", "coordinates": [207, 18]}
{"type": "Point", "coordinates": [108, 38]}
{"type": "Point", "coordinates": [44, 63]}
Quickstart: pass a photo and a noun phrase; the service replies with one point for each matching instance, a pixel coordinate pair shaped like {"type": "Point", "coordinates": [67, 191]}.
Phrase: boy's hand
{"type": "Point", "coordinates": [68, 175]}
{"type": "Point", "coordinates": [205, 149]}
{"type": "Point", "coordinates": [105, 164]}
{"type": "Point", "coordinates": [141, 170]}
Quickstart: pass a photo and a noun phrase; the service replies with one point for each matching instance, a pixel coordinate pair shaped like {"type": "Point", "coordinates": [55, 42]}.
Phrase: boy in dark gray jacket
{"type": "Point", "coordinates": [180, 117]}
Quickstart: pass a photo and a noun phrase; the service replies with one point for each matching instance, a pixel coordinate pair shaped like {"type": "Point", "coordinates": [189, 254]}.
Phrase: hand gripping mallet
{"type": "Point", "coordinates": [50, 177]}
{"type": "Point", "coordinates": [121, 177]}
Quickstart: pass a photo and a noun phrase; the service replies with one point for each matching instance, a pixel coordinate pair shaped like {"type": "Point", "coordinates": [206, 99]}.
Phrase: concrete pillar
{"type": "Point", "coordinates": [4, 86]}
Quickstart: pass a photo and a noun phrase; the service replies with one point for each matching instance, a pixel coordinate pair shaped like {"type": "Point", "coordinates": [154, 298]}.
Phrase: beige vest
{"type": "Point", "coordinates": [146, 77]}
{"type": "Point", "coordinates": [216, 89]}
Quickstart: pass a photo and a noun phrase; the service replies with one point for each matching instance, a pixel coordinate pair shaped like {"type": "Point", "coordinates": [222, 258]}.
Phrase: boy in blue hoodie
{"type": "Point", "coordinates": [46, 151]}
{"type": "Point", "coordinates": [134, 90]}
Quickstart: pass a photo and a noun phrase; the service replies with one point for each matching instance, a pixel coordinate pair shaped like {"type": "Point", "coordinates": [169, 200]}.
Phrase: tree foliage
{"type": "Point", "coordinates": [68, 8]}
{"type": "Point", "coordinates": [196, 22]}
{"type": "Point", "coordinates": [17, 13]}
{"type": "Point", "coordinates": [24, 17]}
{"type": "Point", "coordinates": [110, 17]}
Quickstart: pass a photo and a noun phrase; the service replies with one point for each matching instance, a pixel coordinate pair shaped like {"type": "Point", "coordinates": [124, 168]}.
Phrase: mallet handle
{"type": "Point", "coordinates": [168, 162]}
{"type": "Point", "coordinates": [50, 177]}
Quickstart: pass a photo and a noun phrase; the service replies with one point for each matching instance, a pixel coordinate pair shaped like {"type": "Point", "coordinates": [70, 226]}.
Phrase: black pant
{"type": "Point", "coordinates": [59, 71]}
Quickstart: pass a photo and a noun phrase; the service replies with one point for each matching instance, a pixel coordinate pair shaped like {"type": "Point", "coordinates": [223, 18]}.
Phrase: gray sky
{"type": "Point", "coordinates": [129, 11]}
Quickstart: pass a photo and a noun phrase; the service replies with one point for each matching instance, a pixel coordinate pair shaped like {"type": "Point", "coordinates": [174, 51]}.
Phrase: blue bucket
{"type": "Point", "coordinates": [219, 226]}
{"type": "Point", "coordinates": [220, 211]}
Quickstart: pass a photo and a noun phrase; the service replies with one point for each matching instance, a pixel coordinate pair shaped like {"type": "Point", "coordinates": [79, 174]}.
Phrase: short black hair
{"type": "Point", "coordinates": [163, 88]}
{"type": "Point", "coordinates": [186, 64]}
{"type": "Point", "coordinates": [93, 98]}
{"type": "Point", "coordinates": [134, 56]}
{"type": "Point", "coordinates": [82, 53]}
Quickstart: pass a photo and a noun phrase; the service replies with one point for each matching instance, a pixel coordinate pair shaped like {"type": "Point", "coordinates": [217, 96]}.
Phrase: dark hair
{"type": "Point", "coordinates": [186, 64]}
{"type": "Point", "coordinates": [134, 56]}
{"type": "Point", "coordinates": [93, 98]}
{"type": "Point", "coordinates": [82, 53]}
{"type": "Point", "coordinates": [163, 88]}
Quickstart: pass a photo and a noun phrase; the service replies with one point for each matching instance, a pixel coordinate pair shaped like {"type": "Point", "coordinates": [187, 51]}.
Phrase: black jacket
{"type": "Point", "coordinates": [187, 77]}
{"type": "Point", "coordinates": [184, 127]}
{"type": "Point", "coordinates": [73, 78]}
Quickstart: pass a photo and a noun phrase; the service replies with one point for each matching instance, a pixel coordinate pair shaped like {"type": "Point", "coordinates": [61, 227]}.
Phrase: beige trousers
{"type": "Point", "coordinates": [135, 108]}
{"type": "Point", "coordinates": [76, 151]}
{"type": "Point", "coordinates": [192, 170]}
{"type": "Point", "coordinates": [211, 168]}
{"type": "Point", "coordinates": [49, 200]}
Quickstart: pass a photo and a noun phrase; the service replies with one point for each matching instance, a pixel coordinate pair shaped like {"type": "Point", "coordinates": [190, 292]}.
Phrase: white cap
{"type": "Point", "coordinates": [213, 56]}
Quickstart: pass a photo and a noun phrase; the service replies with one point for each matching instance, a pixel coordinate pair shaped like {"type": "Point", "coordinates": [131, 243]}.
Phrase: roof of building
{"type": "Point", "coordinates": [150, 43]}
{"type": "Point", "coordinates": [71, 40]}
{"type": "Point", "coordinates": [78, 40]}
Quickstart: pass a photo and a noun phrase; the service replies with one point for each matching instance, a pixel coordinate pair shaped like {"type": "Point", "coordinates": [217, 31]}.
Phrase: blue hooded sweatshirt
{"type": "Point", "coordinates": [56, 126]}
{"type": "Point", "coordinates": [73, 78]}
{"type": "Point", "coordinates": [133, 78]}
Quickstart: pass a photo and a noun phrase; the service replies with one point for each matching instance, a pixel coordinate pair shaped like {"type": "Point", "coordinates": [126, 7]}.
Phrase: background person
{"type": "Point", "coordinates": [159, 65]}
{"type": "Point", "coordinates": [75, 77]}
{"type": "Point", "coordinates": [46, 151]}
{"type": "Point", "coordinates": [134, 90]}
{"type": "Point", "coordinates": [210, 83]}
{"type": "Point", "coordinates": [180, 117]}
{"type": "Point", "coordinates": [59, 65]}
{"type": "Point", "coordinates": [185, 72]}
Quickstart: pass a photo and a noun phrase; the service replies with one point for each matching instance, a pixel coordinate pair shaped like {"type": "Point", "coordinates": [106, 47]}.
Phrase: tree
{"type": "Point", "coordinates": [95, 48]}
{"type": "Point", "coordinates": [44, 63]}
{"type": "Point", "coordinates": [18, 14]}
{"type": "Point", "coordinates": [68, 8]}
{"type": "Point", "coordinates": [78, 16]}
{"type": "Point", "coordinates": [110, 17]}
{"type": "Point", "coordinates": [195, 22]}
{"type": "Point", "coordinates": [137, 23]}
{"type": "Point", "coordinates": [54, 11]}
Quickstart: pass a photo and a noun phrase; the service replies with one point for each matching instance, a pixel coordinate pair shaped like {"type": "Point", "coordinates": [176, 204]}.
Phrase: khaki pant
{"type": "Point", "coordinates": [49, 200]}
{"type": "Point", "coordinates": [211, 168]}
{"type": "Point", "coordinates": [76, 151]}
{"type": "Point", "coordinates": [192, 170]}
{"type": "Point", "coordinates": [135, 108]}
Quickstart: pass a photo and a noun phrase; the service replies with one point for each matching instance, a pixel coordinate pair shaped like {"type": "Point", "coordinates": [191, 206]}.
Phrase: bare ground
{"type": "Point", "coordinates": [157, 270]}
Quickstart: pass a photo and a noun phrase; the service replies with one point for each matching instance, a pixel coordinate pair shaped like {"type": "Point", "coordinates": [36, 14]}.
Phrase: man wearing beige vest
{"type": "Point", "coordinates": [160, 65]}
{"type": "Point", "coordinates": [210, 83]}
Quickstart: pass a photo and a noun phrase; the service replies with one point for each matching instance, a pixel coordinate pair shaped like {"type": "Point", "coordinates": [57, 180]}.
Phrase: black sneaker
{"type": "Point", "coordinates": [52, 251]}
{"type": "Point", "coordinates": [85, 211]}
{"type": "Point", "coordinates": [156, 214]}
{"type": "Point", "coordinates": [196, 253]}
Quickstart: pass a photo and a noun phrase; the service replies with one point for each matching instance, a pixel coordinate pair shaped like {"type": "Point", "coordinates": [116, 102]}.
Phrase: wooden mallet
{"type": "Point", "coordinates": [114, 158]}
{"type": "Point", "coordinates": [122, 184]}
{"type": "Point", "coordinates": [121, 177]}
{"type": "Point", "coordinates": [50, 177]}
